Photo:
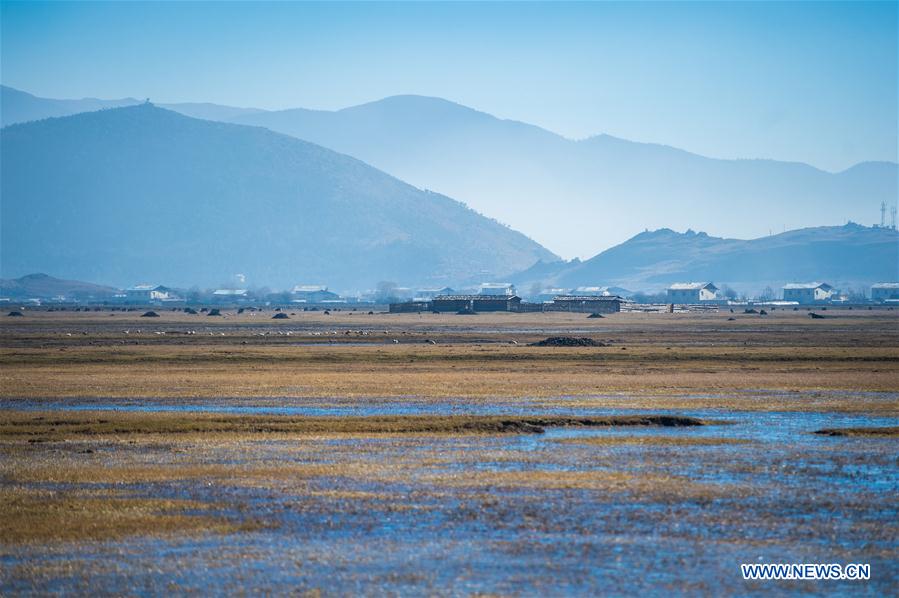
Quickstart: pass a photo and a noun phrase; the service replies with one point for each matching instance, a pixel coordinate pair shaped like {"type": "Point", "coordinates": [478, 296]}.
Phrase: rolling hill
{"type": "Point", "coordinates": [141, 193]}
{"type": "Point", "coordinates": [43, 286]}
{"type": "Point", "coordinates": [18, 107]}
{"type": "Point", "coordinates": [847, 256]}
{"type": "Point", "coordinates": [580, 197]}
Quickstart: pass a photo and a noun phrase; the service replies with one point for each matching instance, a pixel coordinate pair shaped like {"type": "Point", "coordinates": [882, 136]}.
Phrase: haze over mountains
{"type": "Point", "coordinates": [575, 197]}
{"type": "Point", "coordinates": [141, 194]}
{"type": "Point", "coordinates": [18, 106]}
{"type": "Point", "coordinates": [845, 256]}
{"type": "Point", "coordinates": [580, 197]}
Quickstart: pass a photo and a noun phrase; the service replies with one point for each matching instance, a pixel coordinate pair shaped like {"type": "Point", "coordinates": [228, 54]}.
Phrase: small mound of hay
{"type": "Point", "coordinates": [14, 314]}
{"type": "Point", "coordinates": [190, 310]}
{"type": "Point", "coordinates": [214, 312]}
{"type": "Point", "coordinates": [815, 316]}
{"type": "Point", "coordinates": [149, 314]}
{"type": "Point", "coordinates": [568, 341]}
{"type": "Point", "coordinates": [595, 315]}
{"type": "Point", "coordinates": [280, 316]}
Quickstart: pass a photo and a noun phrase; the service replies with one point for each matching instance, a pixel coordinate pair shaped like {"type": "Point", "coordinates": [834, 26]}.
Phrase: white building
{"type": "Point", "coordinates": [146, 293]}
{"type": "Point", "coordinates": [808, 292]}
{"type": "Point", "coordinates": [591, 292]}
{"type": "Point", "coordinates": [885, 291]}
{"type": "Point", "coordinates": [230, 295]}
{"type": "Point", "coordinates": [692, 292]}
{"type": "Point", "coordinates": [422, 295]}
{"type": "Point", "coordinates": [497, 288]}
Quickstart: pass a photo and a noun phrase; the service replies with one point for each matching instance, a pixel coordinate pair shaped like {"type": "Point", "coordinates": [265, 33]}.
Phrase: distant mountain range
{"type": "Point", "coordinates": [44, 286]}
{"type": "Point", "coordinates": [577, 197]}
{"type": "Point", "coordinates": [847, 256]}
{"type": "Point", "coordinates": [18, 107]}
{"type": "Point", "coordinates": [143, 194]}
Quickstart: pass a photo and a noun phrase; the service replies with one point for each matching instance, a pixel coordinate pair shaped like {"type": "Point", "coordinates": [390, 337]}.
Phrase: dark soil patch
{"type": "Point", "coordinates": [568, 341]}
{"type": "Point", "coordinates": [892, 431]}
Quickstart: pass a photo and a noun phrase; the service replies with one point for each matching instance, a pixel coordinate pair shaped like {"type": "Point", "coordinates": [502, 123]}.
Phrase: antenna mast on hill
{"type": "Point", "coordinates": [893, 217]}
{"type": "Point", "coordinates": [883, 214]}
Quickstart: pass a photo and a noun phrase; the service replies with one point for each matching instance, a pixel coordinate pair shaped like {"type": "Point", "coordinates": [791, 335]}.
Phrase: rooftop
{"type": "Point", "coordinates": [587, 298]}
{"type": "Point", "coordinates": [807, 285]}
{"type": "Point", "coordinates": [690, 286]}
{"type": "Point", "coordinates": [475, 297]}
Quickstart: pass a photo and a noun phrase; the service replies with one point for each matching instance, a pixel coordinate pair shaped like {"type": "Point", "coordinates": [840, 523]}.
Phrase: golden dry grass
{"type": "Point", "coordinates": [648, 355]}
{"type": "Point", "coordinates": [31, 515]}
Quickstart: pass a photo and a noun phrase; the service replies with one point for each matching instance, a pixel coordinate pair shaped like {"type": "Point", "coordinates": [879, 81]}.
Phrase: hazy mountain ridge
{"type": "Point", "coordinates": [17, 106]}
{"type": "Point", "coordinates": [44, 286]}
{"type": "Point", "coordinates": [583, 193]}
{"type": "Point", "coordinates": [850, 255]}
{"type": "Point", "coordinates": [145, 194]}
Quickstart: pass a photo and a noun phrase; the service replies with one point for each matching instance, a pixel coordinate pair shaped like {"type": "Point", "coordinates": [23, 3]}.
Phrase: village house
{"type": "Point", "coordinates": [692, 292]}
{"type": "Point", "coordinates": [808, 292]}
{"type": "Point", "coordinates": [585, 303]}
{"type": "Point", "coordinates": [312, 293]}
{"type": "Point", "coordinates": [421, 295]}
{"type": "Point", "coordinates": [149, 293]}
{"type": "Point", "coordinates": [885, 291]}
{"type": "Point", "coordinates": [591, 292]}
{"type": "Point", "coordinates": [497, 288]}
{"type": "Point", "coordinates": [547, 295]}
{"type": "Point", "coordinates": [230, 295]}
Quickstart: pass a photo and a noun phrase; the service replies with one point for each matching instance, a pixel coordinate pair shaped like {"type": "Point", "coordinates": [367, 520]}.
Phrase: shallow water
{"type": "Point", "coordinates": [483, 514]}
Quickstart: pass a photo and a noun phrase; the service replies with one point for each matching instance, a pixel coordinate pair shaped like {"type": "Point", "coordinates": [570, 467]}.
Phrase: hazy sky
{"type": "Point", "coordinates": [812, 82]}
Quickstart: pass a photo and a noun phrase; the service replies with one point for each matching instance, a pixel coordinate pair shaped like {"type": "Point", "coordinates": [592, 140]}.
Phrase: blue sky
{"type": "Point", "coordinates": [809, 81]}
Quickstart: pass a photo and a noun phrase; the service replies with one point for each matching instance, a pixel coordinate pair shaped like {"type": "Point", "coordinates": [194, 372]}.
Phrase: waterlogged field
{"type": "Point", "coordinates": [408, 454]}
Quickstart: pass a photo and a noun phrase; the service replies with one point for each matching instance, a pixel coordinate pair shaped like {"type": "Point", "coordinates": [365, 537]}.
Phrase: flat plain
{"type": "Point", "coordinates": [420, 453]}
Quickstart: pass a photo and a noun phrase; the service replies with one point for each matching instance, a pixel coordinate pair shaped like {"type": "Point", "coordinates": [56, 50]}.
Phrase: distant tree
{"type": "Point", "coordinates": [767, 294]}
{"type": "Point", "coordinates": [857, 295]}
{"type": "Point", "coordinates": [729, 293]}
{"type": "Point", "coordinates": [536, 289]}
{"type": "Point", "coordinates": [194, 295]}
{"type": "Point", "coordinates": [386, 292]}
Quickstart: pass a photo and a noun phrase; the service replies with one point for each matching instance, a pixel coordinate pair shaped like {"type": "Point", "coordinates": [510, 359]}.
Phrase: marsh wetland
{"type": "Point", "coordinates": [410, 454]}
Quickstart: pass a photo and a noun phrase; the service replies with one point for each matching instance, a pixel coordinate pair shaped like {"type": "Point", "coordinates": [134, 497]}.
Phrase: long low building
{"type": "Point", "coordinates": [585, 303]}
{"type": "Point", "coordinates": [457, 303]}
{"type": "Point", "coordinates": [443, 303]}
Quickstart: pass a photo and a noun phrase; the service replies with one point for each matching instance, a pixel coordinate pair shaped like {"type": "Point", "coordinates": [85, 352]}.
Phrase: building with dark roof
{"type": "Point", "coordinates": [599, 304]}
{"type": "Point", "coordinates": [475, 303]}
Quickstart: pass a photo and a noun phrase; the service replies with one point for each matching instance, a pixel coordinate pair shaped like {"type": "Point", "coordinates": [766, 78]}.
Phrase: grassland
{"type": "Point", "coordinates": [193, 501]}
{"type": "Point", "coordinates": [649, 357]}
